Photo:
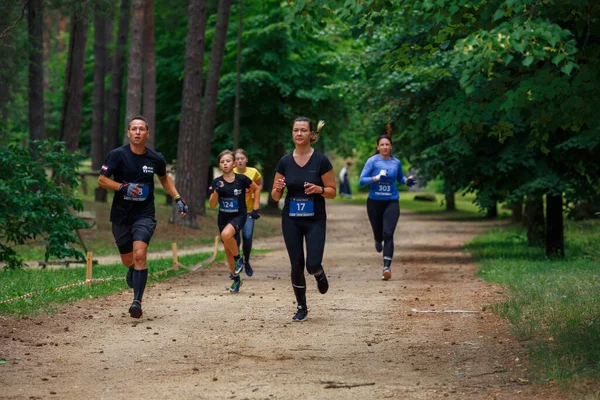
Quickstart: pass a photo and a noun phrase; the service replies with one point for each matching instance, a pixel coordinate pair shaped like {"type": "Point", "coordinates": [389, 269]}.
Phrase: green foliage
{"type": "Point", "coordinates": [37, 185]}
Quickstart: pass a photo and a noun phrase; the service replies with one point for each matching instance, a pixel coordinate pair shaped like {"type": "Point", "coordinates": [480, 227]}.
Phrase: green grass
{"type": "Point", "coordinates": [553, 305]}
{"type": "Point", "coordinates": [14, 283]}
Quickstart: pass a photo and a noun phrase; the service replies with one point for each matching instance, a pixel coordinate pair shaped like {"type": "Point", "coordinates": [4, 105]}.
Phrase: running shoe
{"type": "Point", "coordinates": [378, 247]}
{"type": "Point", "coordinates": [386, 274]}
{"type": "Point", "coordinates": [135, 310]}
{"type": "Point", "coordinates": [129, 277]}
{"type": "Point", "coordinates": [239, 266]}
{"type": "Point", "coordinates": [248, 269]}
{"type": "Point", "coordinates": [301, 314]}
{"type": "Point", "coordinates": [322, 283]}
{"type": "Point", "coordinates": [235, 286]}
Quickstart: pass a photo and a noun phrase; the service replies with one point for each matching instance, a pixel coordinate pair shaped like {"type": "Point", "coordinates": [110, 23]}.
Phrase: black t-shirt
{"type": "Point", "coordinates": [232, 196]}
{"type": "Point", "coordinates": [297, 203]}
{"type": "Point", "coordinates": [128, 167]}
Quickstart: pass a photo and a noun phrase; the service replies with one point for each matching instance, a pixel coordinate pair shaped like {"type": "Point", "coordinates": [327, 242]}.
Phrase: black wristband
{"type": "Point", "coordinates": [322, 189]}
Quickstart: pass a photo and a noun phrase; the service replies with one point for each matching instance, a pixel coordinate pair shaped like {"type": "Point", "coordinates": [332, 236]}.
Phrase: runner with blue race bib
{"type": "Point", "coordinates": [229, 191]}
{"type": "Point", "coordinates": [132, 213]}
{"type": "Point", "coordinates": [382, 171]}
{"type": "Point", "coordinates": [309, 179]}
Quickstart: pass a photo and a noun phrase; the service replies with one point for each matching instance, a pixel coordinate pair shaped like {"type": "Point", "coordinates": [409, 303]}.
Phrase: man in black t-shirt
{"type": "Point", "coordinates": [132, 214]}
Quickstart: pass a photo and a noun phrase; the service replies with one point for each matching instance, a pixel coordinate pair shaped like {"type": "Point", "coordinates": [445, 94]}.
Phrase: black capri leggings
{"type": "Point", "coordinates": [295, 233]}
{"type": "Point", "coordinates": [384, 215]}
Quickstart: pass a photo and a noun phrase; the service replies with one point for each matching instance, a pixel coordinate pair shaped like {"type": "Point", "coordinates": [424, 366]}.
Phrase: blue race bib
{"type": "Point", "coordinates": [142, 196]}
{"type": "Point", "coordinates": [302, 207]}
{"type": "Point", "coordinates": [228, 205]}
{"type": "Point", "coordinates": [383, 188]}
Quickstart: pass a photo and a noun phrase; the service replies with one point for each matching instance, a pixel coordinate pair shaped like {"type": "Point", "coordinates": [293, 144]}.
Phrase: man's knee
{"type": "Point", "coordinates": [139, 256]}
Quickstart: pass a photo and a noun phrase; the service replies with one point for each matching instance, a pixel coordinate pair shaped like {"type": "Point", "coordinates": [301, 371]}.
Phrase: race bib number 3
{"type": "Point", "coordinates": [383, 189]}
{"type": "Point", "coordinates": [228, 205]}
{"type": "Point", "coordinates": [302, 207]}
{"type": "Point", "coordinates": [142, 196]}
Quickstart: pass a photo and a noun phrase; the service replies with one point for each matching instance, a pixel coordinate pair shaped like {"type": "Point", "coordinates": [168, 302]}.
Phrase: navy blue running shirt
{"type": "Point", "coordinates": [297, 203]}
{"type": "Point", "coordinates": [127, 167]}
{"type": "Point", "coordinates": [232, 196]}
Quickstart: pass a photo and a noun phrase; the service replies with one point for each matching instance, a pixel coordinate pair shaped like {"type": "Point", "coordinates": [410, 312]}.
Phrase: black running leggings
{"type": "Point", "coordinates": [384, 215]}
{"type": "Point", "coordinates": [295, 233]}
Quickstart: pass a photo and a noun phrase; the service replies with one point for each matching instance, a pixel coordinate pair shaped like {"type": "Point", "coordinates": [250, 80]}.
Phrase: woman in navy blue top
{"type": "Point", "coordinates": [382, 171]}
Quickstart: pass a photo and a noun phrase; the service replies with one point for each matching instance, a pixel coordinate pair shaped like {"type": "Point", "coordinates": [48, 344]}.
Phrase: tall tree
{"type": "Point", "coordinates": [98, 97]}
{"type": "Point", "coordinates": [118, 68]}
{"type": "Point", "coordinates": [70, 122]}
{"type": "Point", "coordinates": [210, 99]}
{"type": "Point", "coordinates": [149, 58]}
{"type": "Point", "coordinates": [238, 79]}
{"type": "Point", "coordinates": [36, 70]}
{"type": "Point", "coordinates": [133, 101]}
{"type": "Point", "coordinates": [186, 179]}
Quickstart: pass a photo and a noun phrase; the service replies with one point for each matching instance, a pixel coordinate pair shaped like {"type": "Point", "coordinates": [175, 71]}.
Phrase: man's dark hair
{"type": "Point", "coordinates": [141, 118]}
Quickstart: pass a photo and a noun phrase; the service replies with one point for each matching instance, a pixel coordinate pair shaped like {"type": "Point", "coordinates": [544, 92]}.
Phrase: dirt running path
{"type": "Point", "coordinates": [361, 341]}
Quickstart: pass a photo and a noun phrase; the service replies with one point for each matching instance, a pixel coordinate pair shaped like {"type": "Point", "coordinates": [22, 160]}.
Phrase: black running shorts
{"type": "Point", "coordinates": [128, 232]}
{"type": "Point", "coordinates": [237, 221]}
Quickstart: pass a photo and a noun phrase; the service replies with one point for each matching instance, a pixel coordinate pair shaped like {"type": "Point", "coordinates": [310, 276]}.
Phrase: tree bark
{"type": "Point", "coordinates": [133, 101]}
{"type": "Point", "coordinates": [210, 98]}
{"type": "Point", "coordinates": [238, 79]}
{"type": "Point", "coordinates": [450, 202]}
{"type": "Point", "coordinates": [71, 117]}
{"type": "Point", "coordinates": [150, 73]}
{"type": "Point", "coordinates": [555, 239]}
{"type": "Point", "coordinates": [36, 70]}
{"type": "Point", "coordinates": [534, 218]}
{"type": "Point", "coordinates": [116, 87]}
{"type": "Point", "coordinates": [492, 212]}
{"type": "Point", "coordinates": [517, 212]}
{"type": "Point", "coordinates": [98, 98]}
{"type": "Point", "coordinates": [187, 176]}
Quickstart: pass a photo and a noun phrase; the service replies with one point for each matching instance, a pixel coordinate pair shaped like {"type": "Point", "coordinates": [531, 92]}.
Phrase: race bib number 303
{"type": "Point", "coordinates": [302, 207]}
{"type": "Point", "coordinates": [383, 189]}
{"type": "Point", "coordinates": [228, 205]}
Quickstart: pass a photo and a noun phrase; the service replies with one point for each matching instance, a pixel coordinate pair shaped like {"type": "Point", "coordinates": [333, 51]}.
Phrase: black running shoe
{"type": "Point", "coordinates": [378, 246]}
{"type": "Point", "coordinates": [248, 269]}
{"type": "Point", "coordinates": [129, 277]}
{"type": "Point", "coordinates": [301, 314]}
{"type": "Point", "coordinates": [322, 283]}
{"type": "Point", "coordinates": [136, 309]}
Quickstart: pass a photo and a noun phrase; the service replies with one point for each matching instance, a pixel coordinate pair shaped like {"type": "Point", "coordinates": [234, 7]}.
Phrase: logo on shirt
{"type": "Point", "coordinates": [237, 192]}
{"type": "Point", "coordinates": [104, 168]}
{"type": "Point", "coordinates": [148, 170]}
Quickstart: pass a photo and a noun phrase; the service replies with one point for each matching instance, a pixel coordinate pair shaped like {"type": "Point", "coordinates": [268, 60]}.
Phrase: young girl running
{"type": "Point", "coordinates": [381, 172]}
{"type": "Point", "coordinates": [309, 179]}
{"type": "Point", "coordinates": [229, 190]}
{"type": "Point", "coordinates": [241, 159]}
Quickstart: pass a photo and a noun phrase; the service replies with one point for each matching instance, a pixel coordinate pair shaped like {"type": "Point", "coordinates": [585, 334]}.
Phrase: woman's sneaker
{"type": "Point", "coordinates": [301, 314]}
{"type": "Point", "coordinates": [386, 274]}
{"type": "Point", "coordinates": [135, 310]}
{"type": "Point", "coordinates": [235, 286]}
{"type": "Point", "coordinates": [322, 283]}
{"type": "Point", "coordinates": [248, 269]}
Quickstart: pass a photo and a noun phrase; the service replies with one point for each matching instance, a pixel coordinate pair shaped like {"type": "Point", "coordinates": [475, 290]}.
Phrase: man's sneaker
{"type": "Point", "coordinates": [248, 269]}
{"type": "Point", "coordinates": [235, 286]}
{"type": "Point", "coordinates": [129, 278]}
{"type": "Point", "coordinates": [136, 309]}
{"type": "Point", "coordinates": [386, 274]}
{"type": "Point", "coordinates": [239, 266]}
{"type": "Point", "coordinates": [301, 314]}
{"type": "Point", "coordinates": [378, 246]}
{"type": "Point", "coordinates": [322, 283]}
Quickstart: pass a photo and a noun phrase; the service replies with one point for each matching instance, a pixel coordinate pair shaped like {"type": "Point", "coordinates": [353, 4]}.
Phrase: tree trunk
{"type": "Point", "coordinates": [555, 239]}
{"type": "Point", "coordinates": [36, 70]}
{"type": "Point", "coordinates": [238, 80]}
{"type": "Point", "coordinates": [534, 218]}
{"type": "Point", "coordinates": [450, 201]}
{"type": "Point", "coordinates": [98, 98]}
{"type": "Point", "coordinates": [186, 176]}
{"type": "Point", "coordinates": [492, 212]}
{"type": "Point", "coordinates": [210, 98]}
{"type": "Point", "coordinates": [133, 101]}
{"type": "Point", "coordinates": [71, 117]}
{"type": "Point", "coordinates": [150, 72]}
{"type": "Point", "coordinates": [517, 212]}
{"type": "Point", "coordinates": [116, 87]}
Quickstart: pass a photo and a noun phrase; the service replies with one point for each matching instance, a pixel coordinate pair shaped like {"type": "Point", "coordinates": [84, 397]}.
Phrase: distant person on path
{"type": "Point", "coordinates": [132, 213]}
{"type": "Point", "coordinates": [345, 190]}
{"type": "Point", "coordinates": [241, 159]}
{"type": "Point", "coordinates": [309, 178]}
{"type": "Point", "coordinates": [229, 191]}
{"type": "Point", "coordinates": [381, 172]}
